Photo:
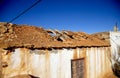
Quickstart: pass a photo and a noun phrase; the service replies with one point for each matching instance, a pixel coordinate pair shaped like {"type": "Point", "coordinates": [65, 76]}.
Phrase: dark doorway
{"type": "Point", "coordinates": [78, 68]}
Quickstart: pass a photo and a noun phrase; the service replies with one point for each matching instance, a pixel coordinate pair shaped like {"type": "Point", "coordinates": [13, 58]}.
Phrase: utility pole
{"type": "Point", "coordinates": [116, 28]}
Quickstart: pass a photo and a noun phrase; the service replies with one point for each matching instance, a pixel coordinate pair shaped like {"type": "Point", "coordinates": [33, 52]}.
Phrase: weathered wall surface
{"type": "Point", "coordinates": [115, 52]}
{"type": "Point", "coordinates": [115, 44]}
{"type": "Point", "coordinates": [56, 63]}
{"type": "Point", "coordinates": [98, 64]}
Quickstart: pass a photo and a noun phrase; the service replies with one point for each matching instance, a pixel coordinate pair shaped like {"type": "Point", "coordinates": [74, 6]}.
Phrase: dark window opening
{"type": "Point", "coordinates": [59, 39]}
{"type": "Point", "coordinates": [71, 37]}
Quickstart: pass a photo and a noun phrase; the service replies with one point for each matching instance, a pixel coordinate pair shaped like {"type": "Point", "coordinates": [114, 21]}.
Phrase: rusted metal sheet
{"type": "Point", "coordinates": [56, 63]}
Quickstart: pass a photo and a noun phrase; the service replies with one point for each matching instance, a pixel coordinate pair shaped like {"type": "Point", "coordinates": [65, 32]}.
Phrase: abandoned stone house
{"type": "Point", "coordinates": [49, 53]}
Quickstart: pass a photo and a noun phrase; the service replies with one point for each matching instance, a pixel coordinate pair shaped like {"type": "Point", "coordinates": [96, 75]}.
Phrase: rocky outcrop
{"type": "Point", "coordinates": [6, 28]}
{"type": "Point", "coordinates": [6, 33]}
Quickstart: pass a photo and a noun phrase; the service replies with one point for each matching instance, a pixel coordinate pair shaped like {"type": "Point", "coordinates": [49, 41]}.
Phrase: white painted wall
{"type": "Point", "coordinates": [115, 46]}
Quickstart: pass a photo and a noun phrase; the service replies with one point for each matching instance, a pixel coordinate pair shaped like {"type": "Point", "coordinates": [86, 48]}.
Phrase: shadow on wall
{"type": "Point", "coordinates": [109, 75]}
{"type": "Point", "coordinates": [25, 76]}
{"type": "Point", "coordinates": [116, 65]}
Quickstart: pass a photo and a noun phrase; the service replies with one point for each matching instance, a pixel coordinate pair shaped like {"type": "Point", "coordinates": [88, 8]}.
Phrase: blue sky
{"type": "Point", "coordinates": [88, 16]}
